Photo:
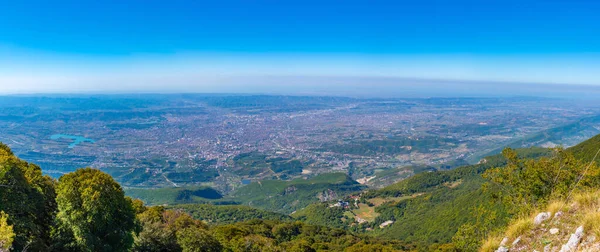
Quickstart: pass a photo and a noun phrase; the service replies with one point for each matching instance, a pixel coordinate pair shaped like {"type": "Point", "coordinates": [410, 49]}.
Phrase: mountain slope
{"type": "Point", "coordinates": [568, 135]}
{"type": "Point", "coordinates": [587, 149]}
{"type": "Point", "coordinates": [228, 214]}
{"type": "Point", "coordinates": [288, 196]}
{"type": "Point", "coordinates": [560, 213]}
{"type": "Point", "coordinates": [449, 199]}
{"type": "Point", "coordinates": [572, 225]}
{"type": "Point", "coordinates": [426, 209]}
{"type": "Point", "coordinates": [175, 195]}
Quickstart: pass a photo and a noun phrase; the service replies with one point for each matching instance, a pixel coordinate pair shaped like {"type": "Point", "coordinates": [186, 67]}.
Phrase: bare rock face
{"type": "Point", "coordinates": [571, 245]}
{"type": "Point", "coordinates": [327, 195]}
{"type": "Point", "coordinates": [516, 241]}
{"type": "Point", "coordinates": [541, 217]}
{"type": "Point", "coordinates": [502, 249]}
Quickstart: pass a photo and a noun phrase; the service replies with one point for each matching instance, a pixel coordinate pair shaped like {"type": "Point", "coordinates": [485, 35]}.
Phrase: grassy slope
{"type": "Point", "coordinates": [580, 210]}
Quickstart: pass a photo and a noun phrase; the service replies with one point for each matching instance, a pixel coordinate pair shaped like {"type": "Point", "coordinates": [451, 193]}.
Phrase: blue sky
{"type": "Point", "coordinates": [95, 46]}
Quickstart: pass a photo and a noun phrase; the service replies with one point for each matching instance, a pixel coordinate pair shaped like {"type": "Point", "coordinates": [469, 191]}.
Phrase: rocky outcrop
{"type": "Point", "coordinates": [543, 232]}
{"type": "Point", "coordinates": [541, 217]}
{"type": "Point", "coordinates": [327, 195]}
{"type": "Point", "coordinates": [574, 240]}
{"type": "Point", "coordinates": [385, 224]}
{"type": "Point", "coordinates": [502, 249]}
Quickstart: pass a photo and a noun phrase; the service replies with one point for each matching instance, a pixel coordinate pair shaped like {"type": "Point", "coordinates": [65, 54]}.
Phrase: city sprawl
{"type": "Point", "coordinates": [226, 141]}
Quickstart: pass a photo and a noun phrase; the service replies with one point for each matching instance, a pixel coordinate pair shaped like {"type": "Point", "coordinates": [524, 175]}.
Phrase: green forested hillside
{"type": "Point", "coordinates": [217, 215]}
{"type": "Point", "coordinates": [425, 181]}
{"type": "Point", "coordinates": [587, 149]}
{"type": "Point", "coordinates": [175, 195]}
{"type": "Point", "coordinates": [288, 196]}
{"type": "Point", "coordinates": [434, 217]}
{"type": "Point", "coordinates": [273, 195]}
{"type": "Point", "coordinates": [321, 213]}
{"type": "Point", "coordinates": [475, 197]}
{"type": "Point", "coordinates": [443, 201]}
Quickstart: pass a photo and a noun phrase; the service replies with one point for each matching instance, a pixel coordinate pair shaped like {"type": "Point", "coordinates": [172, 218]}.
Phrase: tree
{"type": "Point", "coordinates": [156, 233]}
{"type": "Point", "coordinates": [93, 209]}
{"type": "Point", "coordinates": [286, 231]}
{"type": "Point", "coordinates": [253, 243]}
{"type": "Point", "coordinates": [466, 238]}
{"type": "Point", "coordinates": [161, 230]}
{"type": "Point", "coordinates": [362, 246]}
{"type": "Point", "coordinates": [195, 239]}
{"type": "Point", "coordinates": [27, 197]}
{"type": "Point", "coordinates": [5, 149]}
{"type": "Point", "coordinates": [6, 233]}
{"type": "Point", "coordinates": [300, 245]}
{"type": "Point", "coordinates": [154, 237]}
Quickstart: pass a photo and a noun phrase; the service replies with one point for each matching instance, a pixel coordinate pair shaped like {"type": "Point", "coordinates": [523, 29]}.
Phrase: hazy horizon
{"type": "Point", "coordinates": [307, 47]}
{"type": "Point", "coordinates": [377, 87]}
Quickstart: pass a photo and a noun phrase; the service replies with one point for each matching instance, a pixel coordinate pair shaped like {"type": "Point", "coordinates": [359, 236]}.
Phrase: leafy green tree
{"type": "Point", "coordinates": [195, 239]}
{"type": "Point", "coordinates": [155, 236]}
{"type": "Point", "coordinates": [300, 245]}
{"type": "Point", "coordinates": [138, 206]}
{"type": "Point", "coordinates": [160, 229]}
{"type": "Point", "coordinates": [5, 150]}
{"type": "Point", "coordinates": [6, 233]}
{"type": "Point", "coordinates": [286, 231]}
{"type": "Point", "coordinates": [486, 219]}
{"type": "Point", "coordinates": [253, 243]}
{"type": "Point", "coordinates": [93, 209]}
{"type": "Point", "coordinates": [27, 197]}
{"type": "Point", "coordinates": [362, 246]}
{"type": "Point", "coordinates": [466, 238]}
{"type": "Point", "coordinates": [227, 234]}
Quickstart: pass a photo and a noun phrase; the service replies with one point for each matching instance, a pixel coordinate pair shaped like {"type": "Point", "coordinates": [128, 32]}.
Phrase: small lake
{"type": "Point", "coordinates": [76, 139]}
